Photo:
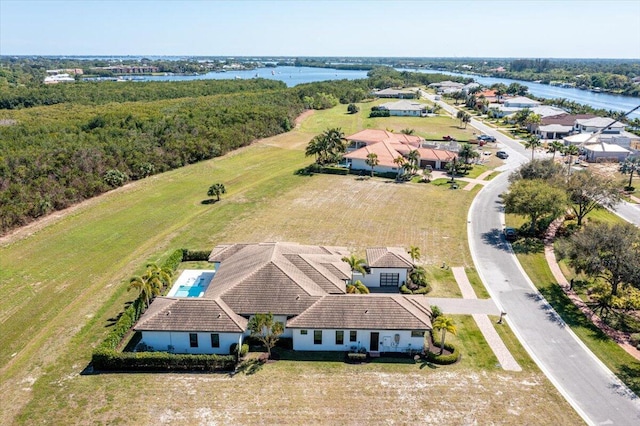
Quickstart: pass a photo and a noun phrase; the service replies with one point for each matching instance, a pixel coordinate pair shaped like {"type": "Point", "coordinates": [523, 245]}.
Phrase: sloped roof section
{"type": "Point", "coordinates": [190, 314]}
{"type": "Point", "coordinates": [379, 135]}
{"type": "Point", "coordinates": [384, 150]}
{"type": "Point", "coordinates": [388, 257]}
{"type": "Point", "coordinates": [377, 312]}
{"type": "Point", "coordinates": [281, 278]}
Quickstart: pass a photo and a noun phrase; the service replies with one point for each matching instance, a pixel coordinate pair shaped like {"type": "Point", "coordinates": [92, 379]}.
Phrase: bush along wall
{"type": "Point", "coordinates": [107, 357]}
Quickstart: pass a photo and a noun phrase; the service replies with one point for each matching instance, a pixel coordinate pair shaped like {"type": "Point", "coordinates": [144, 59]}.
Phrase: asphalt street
{"type": "Point", "coordinates": [592, 389]}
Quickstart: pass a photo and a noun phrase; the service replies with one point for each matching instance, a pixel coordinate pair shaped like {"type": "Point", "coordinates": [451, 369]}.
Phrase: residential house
{"type": "Point", "coordinates": [304, 287]}
{"type": "Point", "coordinates": [559, 125]}
{"type": "Point", "coordinates": [512, 105]}
{"type": "Point", "coordinates": [372, 136]}
{"type": "Point", "coordinates": [396, 93]}
{"type": "Point", "coordinates": [405, 108]}
{"type": "Point", "coordinates": [605, 152]}
{"type": "Point", "coordinates": [447, 87]}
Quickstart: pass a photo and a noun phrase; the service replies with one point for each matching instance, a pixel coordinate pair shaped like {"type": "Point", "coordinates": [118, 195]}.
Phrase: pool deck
{"type": "Point", "coordinates": [192, 283]}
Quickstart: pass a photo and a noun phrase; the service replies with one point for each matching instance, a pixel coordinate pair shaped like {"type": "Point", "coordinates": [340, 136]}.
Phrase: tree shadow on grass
{"type": "Point", "coordinates": [528, 245]}
{"type": "Point", "coordinates": [630, 375]}
{"type": "Point", "coordinates": [209, 201]}
{"type": "Point", "coordinates": [248, 367]}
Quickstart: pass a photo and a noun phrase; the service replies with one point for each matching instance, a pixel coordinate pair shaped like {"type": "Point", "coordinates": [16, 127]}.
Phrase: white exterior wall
{"type": "Point", "coordinates": [386, 341]}
{"type": "Point", "coordinates": [373, 279]}
{"type": "Point", "coordinates": [404, 113]}
{"type": "Point", "coordinates": [359, 164]}
{"type": "Point", "coordinates": [160, 341]}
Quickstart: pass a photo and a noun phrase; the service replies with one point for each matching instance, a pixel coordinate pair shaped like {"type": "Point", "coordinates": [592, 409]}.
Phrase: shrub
{"type": "Point", "coordinates": [115, 178]}
{"type": "Point", "coordinates": [379, 113]}
{"type": "Point", "coordinates": [404, 289]}
{"type": "Point", "coordinates": [174, 260]}
{"type": "Point", "coordinates": [423, 290]}
{"type": "Point", "coordinates": [634, 339]}
{"type": "Point", "coordinates": [353, 108]}
{"type": "Point", "coordinates": [435, 312]}
{"type": "Point", "coordinates": [244, 349]}
{"type": "Point", "coordinates": [332, 170]}
{"type": "Point", "coordinates": [195, 255]}
{"type": "Point", "coordinates": [356, 357]}
{"type": "Point", "coordinates": [444, 359]}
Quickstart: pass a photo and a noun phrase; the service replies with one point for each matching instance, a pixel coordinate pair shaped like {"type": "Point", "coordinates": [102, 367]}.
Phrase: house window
{"type": "Point", "coordinates": [353, 336]}
{"type": "Point", "coordinates": [317, 337]}
{"type": "Point", "coordinates": [389, 280]}
{"type": "Point", "coordinates": [215, 340]}
{"type": "Point", "coordinates": [193, 340]}
{"type": "Point", "coordinates": [303, 332]}
{"type": "Point", "coordinates": [339, 337]}
{"type": "Point", "coordinates": [417, 333]}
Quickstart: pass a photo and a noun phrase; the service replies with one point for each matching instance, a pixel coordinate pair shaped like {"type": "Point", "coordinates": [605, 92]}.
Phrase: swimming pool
{"type": "Point", "coordinates": [192, 283]}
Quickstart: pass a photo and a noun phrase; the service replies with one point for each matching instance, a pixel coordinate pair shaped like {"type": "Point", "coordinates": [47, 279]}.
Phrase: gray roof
{"type": "Point", "coordinates": [392, 92]}
{"type": "Point", "coordinates": [190, 314]}
{"type": "Point", "coordinates": [388, 257]}
{"type": "Point", "coordinates": [281, 278]}
{"type": "Point", "coordinates": [357, 311]}
{"type": "Point", "coordinates": [600, 122]}
{"type": "Point", "coordinates": [403, 105]}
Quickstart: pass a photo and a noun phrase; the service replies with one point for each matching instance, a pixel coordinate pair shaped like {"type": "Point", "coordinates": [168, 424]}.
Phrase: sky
{"type": "Point", "coordinates": [517, 28]}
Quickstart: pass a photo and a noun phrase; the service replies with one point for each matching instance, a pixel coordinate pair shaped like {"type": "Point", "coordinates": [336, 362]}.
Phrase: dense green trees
{"type": "Point", "coordinates": [55, 156]}
{"type": "Point", "coordinates": [535, 199]}
{"type": "Point", "coordinates": [586, 191]}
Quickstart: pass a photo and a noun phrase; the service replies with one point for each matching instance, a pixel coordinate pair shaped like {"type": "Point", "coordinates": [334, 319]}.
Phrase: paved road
{"type": "Point", "coordinates": [596, 394]}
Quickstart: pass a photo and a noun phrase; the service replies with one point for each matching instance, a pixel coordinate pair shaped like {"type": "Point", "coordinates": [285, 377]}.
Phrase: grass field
{"type": "Point", "coordinates": [65, 281]}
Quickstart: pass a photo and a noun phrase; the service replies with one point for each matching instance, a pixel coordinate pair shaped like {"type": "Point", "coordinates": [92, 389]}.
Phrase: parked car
{"type": "Point", "coordinates": [448, 138]}
{"type": "Point", "coordinates": [487, 138]}
{"type": "Point", "coordinates": [510, 234]}
{"type": "Point", "coordinates": [502, 154]}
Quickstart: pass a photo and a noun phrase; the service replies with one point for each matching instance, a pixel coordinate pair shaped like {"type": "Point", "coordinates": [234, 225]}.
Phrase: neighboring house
{"type": "Point", "coordinates": [447, 87]}
{"type": "Point", "coordinates": [395, 93]}
{"type": "Point", "coordinates": [512, 105]}
{"type": "Point", "coordinates": [559, 125]}
{"type": "Point", "coordinates": [604, 152]}
{"type": "Point", "coordinates": [302, 286]}
{"type": "Point", "coordinates": [387, 150]}
{"type": "Point", "coordinates": [591, 125]}
{"type": "Point", "coordinates": [372, 136]}
{"type": "Point", "coordinates": [388, 267]}
{"type": "Point", "coordinates": [406, 109]}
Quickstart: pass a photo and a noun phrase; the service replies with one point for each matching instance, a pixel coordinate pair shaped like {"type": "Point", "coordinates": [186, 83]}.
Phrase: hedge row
{"type": "Point", "coordinates": [444, 359]}
{"type": "Point", "coordinates": [107, 357]}
{"type": "Point", "coordinates": [160, 361]}
{"type": "Point", "coordinates": [195, 255]}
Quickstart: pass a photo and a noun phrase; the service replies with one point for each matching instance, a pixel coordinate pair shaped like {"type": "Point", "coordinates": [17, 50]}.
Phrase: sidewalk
{"type": "Point", "coordinates": [619, 337]}
{"type": "Point", "coordinates": [490, 334]}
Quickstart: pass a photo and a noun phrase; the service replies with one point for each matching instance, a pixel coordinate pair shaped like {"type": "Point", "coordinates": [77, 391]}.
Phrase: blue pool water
{"type": "Point", "coordinates": [192, 283]}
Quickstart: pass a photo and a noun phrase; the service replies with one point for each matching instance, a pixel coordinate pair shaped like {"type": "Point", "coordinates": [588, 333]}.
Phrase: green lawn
{"type": "Point", "coordinates": [613, 356]}
{"type": "Point", "coordinates": [65, 282]}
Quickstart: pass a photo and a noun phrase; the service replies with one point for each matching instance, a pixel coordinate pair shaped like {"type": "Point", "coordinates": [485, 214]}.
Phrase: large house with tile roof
{"type": "Point", "coordinates": [388, 146]}
{"type": "Point", "coordinates": [304, 287]}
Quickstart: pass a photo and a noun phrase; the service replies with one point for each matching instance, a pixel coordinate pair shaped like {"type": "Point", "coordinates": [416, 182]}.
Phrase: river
{"type": "Point", "coordinates": [293, 76]}
{"type": "Point", "coordinates": [596, 100]}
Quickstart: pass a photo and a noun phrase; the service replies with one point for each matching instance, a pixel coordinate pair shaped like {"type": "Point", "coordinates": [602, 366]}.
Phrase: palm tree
{"type": "Point", "coordinates": [356, 264]}
{"type": "Point", "coordinates": [553, 147]}
{"type": "Point", "coordinates": [414, 158]}
{"type": "Point", "coordinates": [466, 152]}
{"type": "Point", "coordinates": [335, 143]}
{"type": "Point", "coordinates": [372, 161]}
{"type": "Point", "coordinates": [407, 131]}
{"type": "Point", "coordinates": [532, 120]}
{"type": "Point", "coordinates": [315, 147]}
{"type": "Point", "coordinates": [399, 161]}
{"type": "Point", "coordinates": [631, 165]}
{"type": "Point", "coordinates": [444, 324]}
{"type": "Point", "coordinates": [357, 288]}
{"type": "Point", "coordinates": [570, 150]}
{"type": "Point", "coordinates": [151, 283]}
{"type": "Point", "coordinates": [532, 143]}
{"type": "Point", "coordinates": [453, 167]}
{"type": "Point", "coordinates": [216, 189]}
{"type": "Point", "coordinates": [414, 252]}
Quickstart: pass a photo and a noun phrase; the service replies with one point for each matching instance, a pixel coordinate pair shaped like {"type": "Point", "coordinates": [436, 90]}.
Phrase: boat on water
{"type": "Point", "coordinates": [273, 72]}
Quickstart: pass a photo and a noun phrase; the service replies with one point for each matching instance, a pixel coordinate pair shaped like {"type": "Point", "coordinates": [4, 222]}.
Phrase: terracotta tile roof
{"type": "Point", "coordinates": [190, 314]}
{"type": "Point", "coordinates": [282, 278]}
{"type": "Point", "coordinates": [357, 311]}
{"type": "Point", "coordinates": [384, 150]}
{"type": "Point", "coordinates": [436, 154]}
{"type": "Point", "coordinates": [388, 257]}
{"type": "Point", "coordinates": [371, 136]}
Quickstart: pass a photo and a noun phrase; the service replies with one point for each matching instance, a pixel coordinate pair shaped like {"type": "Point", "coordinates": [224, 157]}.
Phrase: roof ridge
{"type": "Point", "coordinates": [328, 278]}
{"type": "Point", "coordinates": [293, 279]}
{"type": "Point", "coordinates": [230, 313]}
{"type": "Point", "coordinates": [397, 299]}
